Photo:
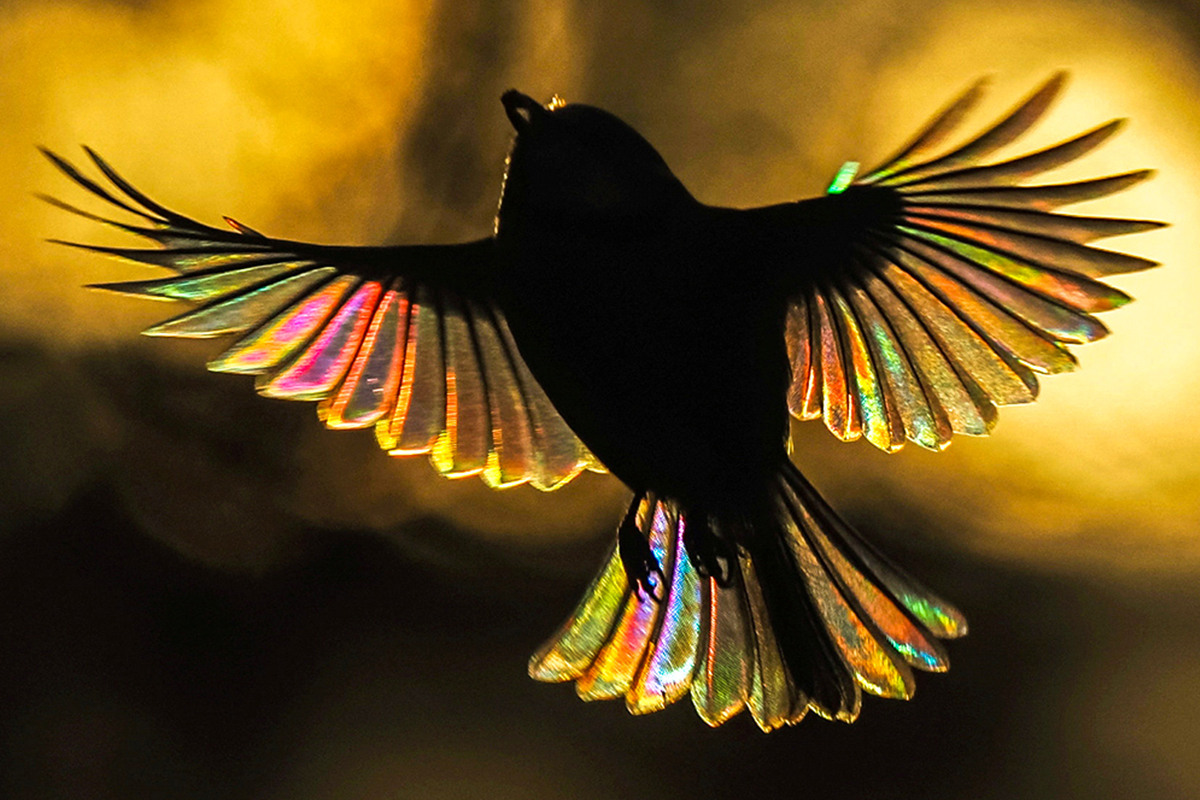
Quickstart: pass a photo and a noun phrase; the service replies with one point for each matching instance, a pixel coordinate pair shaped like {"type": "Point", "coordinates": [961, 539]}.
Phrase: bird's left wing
{"type": "Point", "coordinates": [955, 283]}
{"type": "Point", "coordinates": [398, 338]}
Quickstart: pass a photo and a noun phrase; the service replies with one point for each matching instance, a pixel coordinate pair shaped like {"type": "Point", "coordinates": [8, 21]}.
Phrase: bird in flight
{"type": "Point", "coordinates": [614, 322]}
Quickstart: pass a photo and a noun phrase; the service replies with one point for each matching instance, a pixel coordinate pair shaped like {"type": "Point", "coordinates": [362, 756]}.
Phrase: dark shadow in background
{"type": "Point", "coordinates": [453, 152]}
{"type": "Point", "coordinates": [128, 671]}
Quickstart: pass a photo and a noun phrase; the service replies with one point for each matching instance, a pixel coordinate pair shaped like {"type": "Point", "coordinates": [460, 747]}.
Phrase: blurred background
{"type": "Point", "coordinates": [205, 594]}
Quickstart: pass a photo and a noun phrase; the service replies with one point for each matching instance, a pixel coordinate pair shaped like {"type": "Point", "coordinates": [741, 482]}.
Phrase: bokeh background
{"type": "Point", "coordinates": [205, 594]}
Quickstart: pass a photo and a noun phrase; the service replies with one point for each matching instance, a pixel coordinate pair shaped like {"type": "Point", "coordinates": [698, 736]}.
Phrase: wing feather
{"type": "Point", "coordinates": [968, 284]}
{"type": "Point", "coordinates": [370, 386]}
{"type": "Point", "coordinates": [389, 337]}
{"type": "Point", "coordinates": [317, 370]}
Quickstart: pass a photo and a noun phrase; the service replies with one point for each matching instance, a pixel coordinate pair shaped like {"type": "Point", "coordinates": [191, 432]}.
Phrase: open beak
{"type": "Point", "coordinates": [522, 109]}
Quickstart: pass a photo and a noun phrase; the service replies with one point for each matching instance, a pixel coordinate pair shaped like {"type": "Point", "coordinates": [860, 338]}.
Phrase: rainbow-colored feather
{"type": "Point", "coordinates": [974, 287]}
{"type": "Point", "coordinates": [432, 373]}
{"type": "Point", "coordinates": [716, 643]}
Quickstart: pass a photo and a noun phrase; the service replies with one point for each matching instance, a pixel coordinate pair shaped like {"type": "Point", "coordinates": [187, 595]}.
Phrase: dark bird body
{"type": "Point", "coordinates": [652, 319]}
{"type": "Point", "coordinates": [635, 344]}
{"type": "Point", "coordinates": [671, 338]}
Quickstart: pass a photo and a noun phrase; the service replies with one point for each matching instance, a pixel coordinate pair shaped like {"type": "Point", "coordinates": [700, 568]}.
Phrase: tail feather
{"type": "Point", "coordinates": [876, 667]}
{"type": "Point", "coordinates": [812, 617]}
{"type": "Point", "coordinates": [806, 637]}
{"type": "Point", "coordinates": [773, 695]}
{"type": "Point", "coordinates": [700, 637]}
{"type": "Point", "coordinates": [941, 619]}
{"type": "Point", "coordinates": [722, 677]}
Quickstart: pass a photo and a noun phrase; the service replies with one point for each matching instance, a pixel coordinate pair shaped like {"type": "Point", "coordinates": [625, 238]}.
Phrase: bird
{"type": "Point", "coordinates": [613, 322]}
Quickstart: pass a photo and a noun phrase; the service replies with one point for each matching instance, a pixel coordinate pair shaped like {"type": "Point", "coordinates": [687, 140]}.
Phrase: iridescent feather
{"type": "Point", "coordinates": [716, 642]}
{"type": "Point", "coordinates": [973, 286]}
{"type": "Point", "coordinates": [432, 373]}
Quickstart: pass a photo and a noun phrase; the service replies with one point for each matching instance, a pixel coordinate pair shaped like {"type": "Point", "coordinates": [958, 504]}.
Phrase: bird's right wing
{"type": "Point", "coordinates": [390, 337]}
{"type": "Point", "coordinates": [957, 286]}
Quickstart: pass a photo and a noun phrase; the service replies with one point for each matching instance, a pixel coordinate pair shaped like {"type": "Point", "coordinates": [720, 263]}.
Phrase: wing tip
{"type": "Point", "coordinates": [1109, 128]}
{"type": "Point", "coordinates": [77, 245]}
{"type": "Point", "coordinates": [243, 229]}
{"type": "Point", "coordinates": [981, 85]}
{"type": "Point", "coordinates": [115, 286]}
{"type": "Point", "coordinates": [1057, 80]}
{"type": "Point", "coordinates": [52, 156]}
{"type": "Point", "coordinates": [51, 200]}
{"type": "Point", "coordinates": [129, 289]}
{"type": "Point", "coordinates": [59, 161]}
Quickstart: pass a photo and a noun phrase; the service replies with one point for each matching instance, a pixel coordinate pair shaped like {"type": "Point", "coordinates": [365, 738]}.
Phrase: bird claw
{"type": "Point", "coordinates": [647, 587]}
{"type": "Point", "coordinates": [641, 566]}
{"type": "Point", "coordinates": [711, 555]}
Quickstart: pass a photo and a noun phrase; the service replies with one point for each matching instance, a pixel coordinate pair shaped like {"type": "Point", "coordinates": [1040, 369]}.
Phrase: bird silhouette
{"type": "Point", "coordinates": [613, 321]}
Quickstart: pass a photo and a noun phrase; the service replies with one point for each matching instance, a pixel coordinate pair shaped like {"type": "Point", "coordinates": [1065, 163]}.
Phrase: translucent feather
{"type": "Point", "coordinates": [373, 380]}
{"type": "Point", "coordinates": [619, 661]}
{"type": "Point", "coordinates": [971, 285]}
{"type": "Point", "coordinates": [321, 366]}
{"type": "Point", "coordinates": [244, 310]}
{"type": "Point", "coordinates": [721, 682]}
{"type": "Point", "coordinates": [718, 643]}
{"type": "Point", "coordinates": [876, 666]}
{"type": "Point", "coordinates": [286, 332]}
{"type": "Point", "coordinates": [666, 673]}
{"type": "Point", "coordinates": [462, 447]}
{"type": "Point", "coordinates": [344, 326]}
{"type": "Point", "coordinates": [770, 691]}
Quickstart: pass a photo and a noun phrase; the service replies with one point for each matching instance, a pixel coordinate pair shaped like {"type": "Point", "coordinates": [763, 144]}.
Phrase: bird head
{"type": "Point", "coordinates": [580, 166]}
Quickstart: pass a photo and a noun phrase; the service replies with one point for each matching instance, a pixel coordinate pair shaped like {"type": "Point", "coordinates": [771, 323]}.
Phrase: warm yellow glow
{"type": "Point", "coordinates": [208, 108]}
{"type": "Point", "coordinates": [1104, 467]}
{"type": "Point", "coordinates": [295, 117]}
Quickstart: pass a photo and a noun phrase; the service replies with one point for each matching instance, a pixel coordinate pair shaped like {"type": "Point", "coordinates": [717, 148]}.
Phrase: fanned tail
{"type": "Point", "coordinates": [809, 617]}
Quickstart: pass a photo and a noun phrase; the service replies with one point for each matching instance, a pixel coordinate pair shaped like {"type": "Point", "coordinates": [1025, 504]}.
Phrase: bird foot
{"type": "Point", "coordinates": [641, 567]}
{"type": "Point", "coordinates": [712, 556]}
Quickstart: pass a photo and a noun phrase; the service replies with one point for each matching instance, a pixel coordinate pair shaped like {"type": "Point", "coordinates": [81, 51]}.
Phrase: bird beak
{"type": "Point", "coordinates": [522, 109]}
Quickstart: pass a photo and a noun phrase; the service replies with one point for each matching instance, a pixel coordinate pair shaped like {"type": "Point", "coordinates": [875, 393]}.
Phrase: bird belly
{"type": "Point", "coordinates": [677, 386]}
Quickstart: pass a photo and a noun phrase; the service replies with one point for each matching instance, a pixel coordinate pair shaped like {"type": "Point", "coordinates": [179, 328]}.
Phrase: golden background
{"type": "Point", "coordinates": [1069, 537]}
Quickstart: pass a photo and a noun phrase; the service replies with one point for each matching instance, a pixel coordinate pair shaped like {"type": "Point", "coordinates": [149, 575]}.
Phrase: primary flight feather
{"type": "Point", "coordinates": [612, 321]}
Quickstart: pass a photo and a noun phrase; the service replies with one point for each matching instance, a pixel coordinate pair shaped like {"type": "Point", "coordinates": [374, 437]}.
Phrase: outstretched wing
{"type": "Point", "coordinates": [966, 288]}
{"type": "Point", "coordinates": [392, 337]}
